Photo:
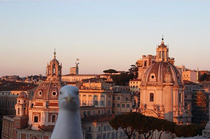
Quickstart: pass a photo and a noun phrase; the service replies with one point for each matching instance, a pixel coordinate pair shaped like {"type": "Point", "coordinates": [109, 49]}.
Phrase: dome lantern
{"type": "Point", "coordinates": [162, 52]}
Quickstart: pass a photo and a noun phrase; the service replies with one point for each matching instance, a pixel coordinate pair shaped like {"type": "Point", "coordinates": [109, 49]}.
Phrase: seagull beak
{"type": "Point", "coordinates": [69, 98]}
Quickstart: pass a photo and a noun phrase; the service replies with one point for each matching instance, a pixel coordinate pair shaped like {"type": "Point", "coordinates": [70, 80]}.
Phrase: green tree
{"type": "Point", "coordinates": [129, 123]}
{"type": "Point", "coordinates": [110, 71]}
{"type": "Point", "coordinates": [134, 71]}
{"type": "Point", "coordinates": [145, 125]}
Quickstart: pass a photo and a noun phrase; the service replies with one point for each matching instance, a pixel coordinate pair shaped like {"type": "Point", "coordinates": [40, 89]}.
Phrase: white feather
{"type": "Point", "coordinates": [68, 124]}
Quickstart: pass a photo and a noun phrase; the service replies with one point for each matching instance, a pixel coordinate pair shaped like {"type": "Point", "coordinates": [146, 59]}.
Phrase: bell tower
{"type": "Point", "coordinates": [21, 118]}
{"type": "Point", "coordinates": [21, 106]}
{"type": "Point", "coordinates": [162, 52]}
{"type": "Point", "coordinates": [54, 70]}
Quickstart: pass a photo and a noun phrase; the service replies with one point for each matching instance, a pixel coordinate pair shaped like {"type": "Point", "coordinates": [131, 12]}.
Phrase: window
{"type": "Point", "coordinates": [54, 94]}
{"type": "Point", "coordinates": [89, 136]}
{"type": "Point", "coordinates": [95, 102]}
{"type": "Point", "coordinates": [109, 103]}
{"type": "Point", "coordinates": [36, 119]}
{"type": "Point", "coordinates": [104, 128]}
{"type": "Point", "coordinates": [104, 136]}
{"type": "Point", "coordinates": [8, 103]}
{"type": "Point", "coordinates": [123, 105]}
{"type": "Point", "coordinates": [13, 103]}
{"type": "Point", "coordinates": [53, 118]}
{"type": "Point", "coordinates": [99, 128]}
{"type": "Point", "coordinates": [108, 135]}
{"type": "Point", "coordinates": [118, 98]}
{"type": "Point", "coordinates": [113, 105]}
{"type": "Point", "coordinates": [102, 103]}
{"type": "Point", "coordinates": [118, 105]}
{"type": "Point", "coordinates": [180, 96]}
{"type": "Point", "coordinates": [163, 55]}
{"type": "Point", "coordinates": [40, 93]}
{"type": "Point", "coordinates": [98, 137]}
{"type": "Point", "coordinates": [98, 111]}
{"type": "Point", "coordinates": [89, 128]}
{"type": "Point", "coordinates": [18, 110]}
{"type": "Point", "coordinates": [128, 106]}
{"type": "Point", "coordinates": [151, 97]}
{"type": "Point", "coordinates": [145, 63]}
{"type": "Point", "coordinates": [112, 134]}
{"type": "Point", "coordinates": [2, 102]}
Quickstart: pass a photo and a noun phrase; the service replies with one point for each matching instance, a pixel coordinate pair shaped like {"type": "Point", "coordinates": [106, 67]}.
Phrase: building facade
{"type": "Point", "coordinates": [162, 89]}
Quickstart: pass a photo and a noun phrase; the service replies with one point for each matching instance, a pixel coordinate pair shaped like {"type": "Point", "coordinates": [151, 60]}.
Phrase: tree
{"type": "Point", "coordinates": [204, 77]}
{"type": "Point", "coordinates": [199, 106]}
{"type": "Point", "coordinates": [122, 79]}
{"type": "Point", "coordinates": [145, 125]}
{"type": "Point", "coordinates": [163, 125]}
{"type": "Point", "coordinates": [134, 70]}
{"type": "Point", "coordinates": [129, 123]}
{"type": "Point", "coordinates": [136, 122]}
{"type": "Point", "coordinates": [110, 71]}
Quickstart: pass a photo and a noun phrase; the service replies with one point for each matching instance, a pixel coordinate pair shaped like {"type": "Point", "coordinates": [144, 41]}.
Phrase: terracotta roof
{"type": "Point", "coordinates": [10, 85]}
{"type": "Point", "coordinates": [24, 88]}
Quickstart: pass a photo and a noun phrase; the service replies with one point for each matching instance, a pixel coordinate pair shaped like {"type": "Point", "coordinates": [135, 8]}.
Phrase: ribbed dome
{"type": "Point", "coordinates": [48, 90]}
{"type": "Point", "coordinates": [162, 72]}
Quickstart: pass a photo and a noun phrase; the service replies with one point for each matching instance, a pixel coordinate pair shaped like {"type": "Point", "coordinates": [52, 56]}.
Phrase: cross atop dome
{"type": "Point", "coordinates": [54, 53]}
{"type": "Point", "coordinates": [162, 40]}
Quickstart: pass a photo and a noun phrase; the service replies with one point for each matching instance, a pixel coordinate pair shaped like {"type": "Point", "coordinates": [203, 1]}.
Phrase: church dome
{"type": "Point", "coordinates": [48, 90]}
{"type": "Point", "coordinates": [162, 72]}
{"type": "Point", "coordinates": [22, 95]}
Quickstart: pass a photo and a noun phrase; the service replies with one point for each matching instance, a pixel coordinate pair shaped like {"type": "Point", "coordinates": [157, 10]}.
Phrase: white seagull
{"type": "Point", "coordinates": [68, 124]}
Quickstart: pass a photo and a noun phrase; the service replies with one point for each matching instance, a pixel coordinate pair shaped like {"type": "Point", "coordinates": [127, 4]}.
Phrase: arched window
{"type": "Point", "coordinates": [53, 118]}
{"type": "Point", "coordinates": [151, 97]}
{"type": "Point", "coordinates": [53, 69]}
{"type": "Point", "coordinates": [159, 54]}
{"type": "Point", "coordinates": [163, 55]}
{"type": "Point", "coordinates": [36, 119]}
{"type": "Point", "coordinates": [145, 63]}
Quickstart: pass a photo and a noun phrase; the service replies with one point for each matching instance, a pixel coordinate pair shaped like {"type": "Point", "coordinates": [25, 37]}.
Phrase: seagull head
{"type": "Point", "coordinates": [69, 98]}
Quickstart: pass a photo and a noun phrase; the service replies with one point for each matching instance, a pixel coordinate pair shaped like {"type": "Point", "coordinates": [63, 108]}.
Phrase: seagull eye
{"type": "Point", "coordinates": [77, 92]}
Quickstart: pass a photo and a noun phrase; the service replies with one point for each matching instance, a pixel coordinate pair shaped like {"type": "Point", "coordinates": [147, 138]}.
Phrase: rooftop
{"type": "Point", "coordinates": [98, 118]}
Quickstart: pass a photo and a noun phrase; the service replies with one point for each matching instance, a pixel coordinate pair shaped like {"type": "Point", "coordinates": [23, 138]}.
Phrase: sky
{"type": "Point", "coordinates": [101, 34]}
